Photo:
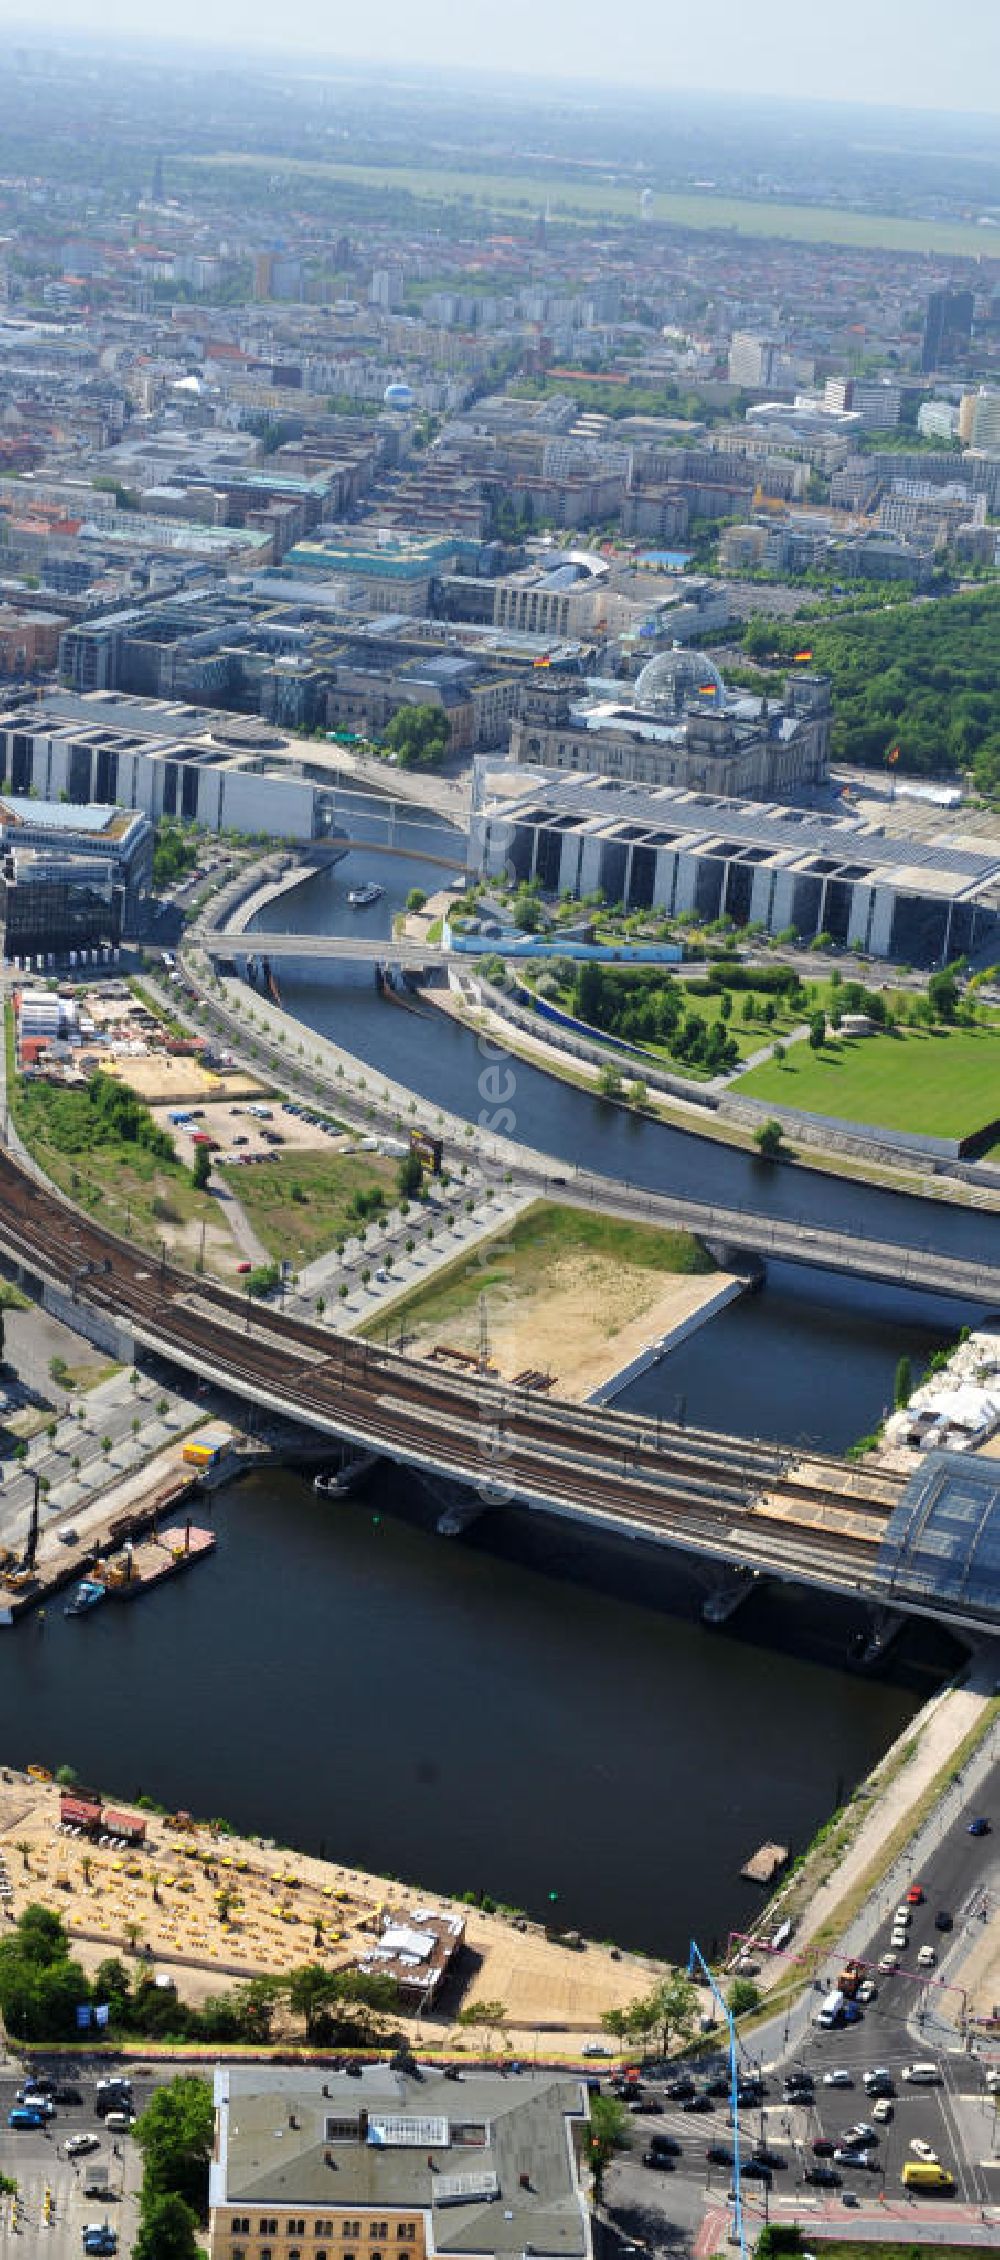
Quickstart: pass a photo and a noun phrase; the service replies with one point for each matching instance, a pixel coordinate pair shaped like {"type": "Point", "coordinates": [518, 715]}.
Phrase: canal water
{"type": "Point", "coordinates": [436, 1057]}
{"type": "Point", "coordinates": [526, 1711]}
{"type": "Point", "coordinates": [523, 1711]}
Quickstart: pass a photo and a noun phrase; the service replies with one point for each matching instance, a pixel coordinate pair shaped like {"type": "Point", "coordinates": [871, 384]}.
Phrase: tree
{"type": "Point", "coordinates": [201, 1168]}
{"type": "Point", "coordinates": [817, 1031]}
{"type": "Point", "coordinates": [942, 993]}
{"type": "Point", "coordinates": [310, 1991]}
{"type": "Point", "coordinates": [609, 1083]}
{"type": "Point", "coordinates": [768, 1140]}
{"type": "Point", "coordinates": [416, 899]}
{"type": "Point", "coordinates": [743, 1996]}
{"type": "Point", "coordinates": [409, 1177]}
{"type": "Point", "coordinates": [418, 736]}
{"type": "Point", "coordinates": [903, 1389]}
{"type": "Point", "coordinates": [167, 2230]}
{"type": "Point", "coordinates": [676, 2004]}
{"type": "Point", "coordinates": [491, 2015]}
{"type": "Point", "coordinates": [606, 2131]}
{"type": "Point", "coordinates": [175, 2134]}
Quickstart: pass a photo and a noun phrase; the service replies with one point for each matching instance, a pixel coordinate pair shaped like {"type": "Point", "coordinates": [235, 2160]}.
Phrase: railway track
{"type": "Point", "coordinates": [698, 1489]}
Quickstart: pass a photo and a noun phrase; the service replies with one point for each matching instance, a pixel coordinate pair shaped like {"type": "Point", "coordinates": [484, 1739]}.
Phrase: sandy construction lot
{"type": "Point", "coordinates": [159, 1077]}
{"type": "Point", "coordinates": [580, 1319]}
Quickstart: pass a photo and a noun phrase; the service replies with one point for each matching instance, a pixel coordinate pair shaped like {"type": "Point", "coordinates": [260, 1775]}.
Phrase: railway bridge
{"type": "Point", "coordinates": [813, 1519]}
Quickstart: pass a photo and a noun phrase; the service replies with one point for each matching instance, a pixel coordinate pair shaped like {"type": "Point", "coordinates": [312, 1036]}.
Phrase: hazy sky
{"type": "Point", "coordinates": [913, 52]}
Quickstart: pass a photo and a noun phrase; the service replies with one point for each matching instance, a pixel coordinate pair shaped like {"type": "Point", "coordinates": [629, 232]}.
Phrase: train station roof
{"type": "Point", "coordinates": [942, 1543]}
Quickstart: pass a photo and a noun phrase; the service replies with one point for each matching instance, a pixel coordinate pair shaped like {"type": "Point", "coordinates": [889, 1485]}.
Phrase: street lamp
{"type": "Point", "coordinates": [696, 1960]}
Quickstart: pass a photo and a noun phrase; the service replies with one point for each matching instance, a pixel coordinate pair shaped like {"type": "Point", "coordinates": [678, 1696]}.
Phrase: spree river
{"type": "Point", "coordinates": [528, 1710]}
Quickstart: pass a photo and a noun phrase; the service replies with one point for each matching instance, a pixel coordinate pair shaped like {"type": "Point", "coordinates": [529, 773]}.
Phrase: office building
{"type": "Point", "coordinates": [947, 330]}
{"type": "Point", "coordinates": [918, 900]}
{"type": "Point", "coordinates": [70, 878]}
{"type": "Point", "coordinates": [985, 434]}
{"type": "Point", "coordinates": [309, 2162]}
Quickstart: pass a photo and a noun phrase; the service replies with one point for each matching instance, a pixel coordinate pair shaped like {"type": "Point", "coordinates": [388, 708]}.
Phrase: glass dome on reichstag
{"type": "Point", "coordinates": [675, 679]}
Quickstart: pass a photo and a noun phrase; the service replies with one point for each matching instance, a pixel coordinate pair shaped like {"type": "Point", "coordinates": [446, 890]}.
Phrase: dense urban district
{"type": "Point", "coordinates": [532, 563]}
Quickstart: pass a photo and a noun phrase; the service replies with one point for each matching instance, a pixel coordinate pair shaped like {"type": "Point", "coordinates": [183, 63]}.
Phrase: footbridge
{"type": "Point", "coordinates": [812, 1519]}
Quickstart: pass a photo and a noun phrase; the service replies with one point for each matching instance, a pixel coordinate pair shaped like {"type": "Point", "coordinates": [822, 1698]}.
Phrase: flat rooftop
{"type": "Point", "coordinates": [489, 2156]}
{"type": "Point", "coordinates": [94, 819]}
{"type": "Point", "coordinates": [669, 815]}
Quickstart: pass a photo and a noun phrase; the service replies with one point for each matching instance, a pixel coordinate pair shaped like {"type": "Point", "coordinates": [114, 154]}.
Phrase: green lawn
{"type": "Point", "coordinates": [524, 1252]}
{"type": "Point", "coordinates": [804, 223]}
{"type": "Point", "coordinates": [945, 1083]}
{"type": "Point", "coordinates": [300, 1203]}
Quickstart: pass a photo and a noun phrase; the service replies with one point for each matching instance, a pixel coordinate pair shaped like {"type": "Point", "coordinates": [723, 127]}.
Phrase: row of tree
{"type": "Point", "coordinates": [923, 678]}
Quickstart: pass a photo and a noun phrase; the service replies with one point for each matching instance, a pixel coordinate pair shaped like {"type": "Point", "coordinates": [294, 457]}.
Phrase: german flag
{"type": "Point", "coordinates": [892, 758]}
{"type": "Point", "coordinates": [706, 690]}
{"type": "Point", "coordinates": [541, 662]}
{"type": "Point", "coordinates": [800, 655]}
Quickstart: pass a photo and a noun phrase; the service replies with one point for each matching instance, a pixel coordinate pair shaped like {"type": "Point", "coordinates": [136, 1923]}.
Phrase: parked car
{"type": "Point", "coordinates": [980, 1826]}
{"type": "Point", "coordinates": [822, 2147]}
{"type": "Point", "coordinates": [24, 2116]}
{"type": "Point", "coordinates": [887, 1963]}
{"type": "Point", "coordinates": [926, 1958]}
{"type": "Point", "coordinates": [822, 2177]}
{"type": "Point", "coordinates": [915, 1895]}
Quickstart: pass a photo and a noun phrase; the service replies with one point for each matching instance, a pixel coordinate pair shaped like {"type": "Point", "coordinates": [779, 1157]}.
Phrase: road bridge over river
{"type": "Point", "coordinates": [815, 1519]}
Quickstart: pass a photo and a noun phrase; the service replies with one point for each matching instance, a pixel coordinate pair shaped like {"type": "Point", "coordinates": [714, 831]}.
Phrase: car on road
{"type": "Point", "coordinates": [595, 2048]}
{"type": "Point", "coordinates": [658, 2161]}
{"type": "Point", "coordinates": [915, 1895]}
{"type": "Point", "coordinates": [718, 2085]}
{"type": "Point", "coordinates": [79, 2145]}
{"type": "Point", "coordinates": [822, 2177]}
{"type": "Point", "coordinates": [924, 2150]}
{"type": "Point", "coordinates": [867, 1992]}
{"type": "Point", "coordinates": [25, 2116]}
{"type": "Point", "coordinates": [860, 2161]}
{"type": "Point", "coordinates": [943, 1920]}
{"type": "Point", "coordinates": [879, 2081]}
{"type": "Point", "coordinates": [903, 1916]}
{"type": "Point", "coordinates": [899, 1941]}
{"type": "Point", "coordinates": [883, 2111]}
{"type": "Point", "coordinates": [921, 2075]}
{"type": "Point", "coordinates": [979, 1826]}
{"type": "Point", "coordinates": [924, 2173]}
{"type": "Point", "coordinates": [860, 2136]}
{"type": "Point", "coordinates": [99, 2239]}
{"type": "Point", "coordinates": [754, 2170]}
{"type": "Point", "coordinates": [839, 2078]}
{"type": "Point", "coordinates": [39, 2100]}
{"type": "Point", "coordinates": [667, 2143]}
{"type": "Point", "coordinates": [697, 2103]}
{"type": "Point", "coordinates": [822, 2146]}
{"type": "Point", "coordinates": [679, 2091]}
{"type": "Point", "coordinates": [762, 2156]}
{"type": "Point", "coordinates": [926, 1958]}
{"type": "Point", "coordinates": [645, 2104]}
{"type": "Point", "coordinates": [719, 2154]}
{"type": "Point", "coordinates": [67, 2093]}
{"type": "Point", "coordinates": [887, 1963]}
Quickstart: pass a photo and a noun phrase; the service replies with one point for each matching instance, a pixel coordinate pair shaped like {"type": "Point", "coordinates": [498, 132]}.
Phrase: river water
{"type": "Point", "coordinates": [527, 1710]}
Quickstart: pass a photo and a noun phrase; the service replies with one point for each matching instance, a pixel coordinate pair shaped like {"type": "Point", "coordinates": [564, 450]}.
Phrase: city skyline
{"type": "Point", "coordinates": [892, 57]}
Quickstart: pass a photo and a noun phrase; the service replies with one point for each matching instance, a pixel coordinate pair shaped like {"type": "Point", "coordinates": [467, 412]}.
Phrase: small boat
{"type": "Point", "coordinates": [339, 1482]}
{"type": "Point", "coordinates": [361, 898]}
{"type": "Point", "coordinates": [87, 1595]}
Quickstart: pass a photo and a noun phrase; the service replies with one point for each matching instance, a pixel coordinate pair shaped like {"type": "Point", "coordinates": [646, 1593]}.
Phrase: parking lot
{"type": "Point", "coordinates": [37, 2161]}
